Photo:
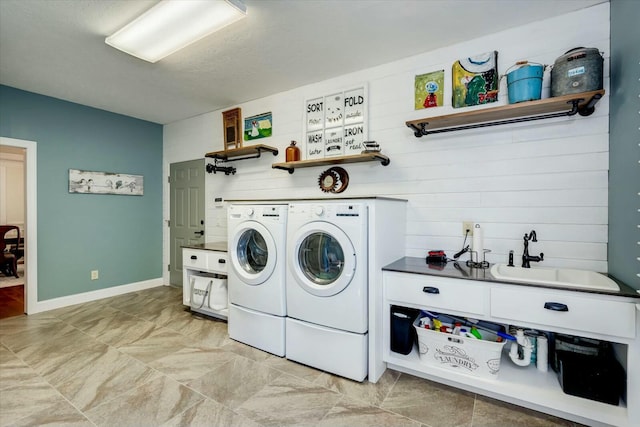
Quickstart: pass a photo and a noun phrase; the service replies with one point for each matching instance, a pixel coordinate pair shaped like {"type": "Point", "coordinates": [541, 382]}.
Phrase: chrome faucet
{"type": "Point", "coordinates": [526, 258]}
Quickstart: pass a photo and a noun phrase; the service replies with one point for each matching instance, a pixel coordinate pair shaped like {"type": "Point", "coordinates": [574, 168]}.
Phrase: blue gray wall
{"type": "Point", "coordinates": [121, 236]}
{"type": "Point", "coordinates": [624, 144]}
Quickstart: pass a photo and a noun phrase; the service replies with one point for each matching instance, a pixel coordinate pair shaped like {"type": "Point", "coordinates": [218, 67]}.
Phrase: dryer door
{"type": "Point", "coordinates": [252, 252]}
{"type": "Point", "coordinates": [323, 260]}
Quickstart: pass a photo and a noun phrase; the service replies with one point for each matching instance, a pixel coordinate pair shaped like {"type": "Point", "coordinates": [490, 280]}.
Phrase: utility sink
{"type": "Point", "coordinates": [560, 277]}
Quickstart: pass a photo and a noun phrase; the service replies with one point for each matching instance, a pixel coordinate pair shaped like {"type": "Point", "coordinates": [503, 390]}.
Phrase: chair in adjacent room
{"type": "Point", "coordinates": [11, 253]}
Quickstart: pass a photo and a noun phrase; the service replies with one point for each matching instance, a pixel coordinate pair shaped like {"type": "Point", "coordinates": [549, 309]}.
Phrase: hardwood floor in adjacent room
{"type": "Point", "coordinates": [11, 301]}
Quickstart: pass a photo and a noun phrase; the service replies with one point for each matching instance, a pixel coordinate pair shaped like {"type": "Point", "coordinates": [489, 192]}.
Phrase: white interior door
{"type": "Point", "coordinates": [187, 212]}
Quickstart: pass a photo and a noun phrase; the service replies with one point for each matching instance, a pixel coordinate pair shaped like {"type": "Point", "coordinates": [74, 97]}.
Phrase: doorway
{"type": "Point", "coordinates": [29, 228]}
{"type": "Point", "coordinates": [12, 214]}
{"type": "Point", "coordinates": [187, 212]}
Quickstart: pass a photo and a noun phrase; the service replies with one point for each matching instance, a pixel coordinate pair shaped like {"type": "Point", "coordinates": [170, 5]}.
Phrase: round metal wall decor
{"type": "Point", "coordinates": [333, 180]}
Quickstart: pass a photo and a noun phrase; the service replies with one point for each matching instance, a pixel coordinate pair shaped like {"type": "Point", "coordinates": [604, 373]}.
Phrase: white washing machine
{"type": "Point", "coordinates": [327, 287]}
{"type": "Point", "coordinates": [256, 277]}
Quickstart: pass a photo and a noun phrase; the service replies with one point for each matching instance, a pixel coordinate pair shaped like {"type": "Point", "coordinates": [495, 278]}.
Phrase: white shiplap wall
{"type": "Point", "coordinates": [550, 175]}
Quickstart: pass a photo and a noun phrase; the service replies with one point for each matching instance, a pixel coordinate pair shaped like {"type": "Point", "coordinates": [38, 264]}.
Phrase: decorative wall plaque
{"type": "Point", "coordinates": [333, 180]}
{"type": "Point", "coordinates": [336, 124]}
{"type": "Point", "coordinates": [232, 124]}
{"type": "Point", "coordinates": [89, 182]}
{"type": "Point", "coordinates": [429, 90]}
{"type": "Point", "coordinates": [475, 80]}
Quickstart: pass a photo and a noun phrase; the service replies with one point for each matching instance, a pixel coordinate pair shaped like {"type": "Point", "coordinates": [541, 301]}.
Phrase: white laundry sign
{"type": "Point", "coordinates": [333, 145]}
{"type": "Point", "coordinates": [336, 124]}
{"type": "Point", "coordinates": [353, 139]}
{"type": "Point", "coordinates": [315, 145]}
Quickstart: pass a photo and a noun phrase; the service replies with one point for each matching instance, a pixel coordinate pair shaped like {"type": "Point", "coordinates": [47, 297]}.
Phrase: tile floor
{"type": "Point", "coordinates": [140, 359]}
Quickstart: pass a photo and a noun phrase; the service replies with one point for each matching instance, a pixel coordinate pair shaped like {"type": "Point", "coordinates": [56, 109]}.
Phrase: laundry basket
{"type": "Point", "coordinates": [208, 293]}
{"type": "Point", "coordinates": [469, 356]}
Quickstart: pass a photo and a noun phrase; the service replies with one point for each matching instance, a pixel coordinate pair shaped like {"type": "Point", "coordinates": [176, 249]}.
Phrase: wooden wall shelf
{"type": "Point", "coordinates": [224, 156]}
{"type": "Point", "coordinates": [358, 158]}
{"type": "Point", "coordinates": [559, 106]}
{"type": "Point", "coordinates": [250, 152]}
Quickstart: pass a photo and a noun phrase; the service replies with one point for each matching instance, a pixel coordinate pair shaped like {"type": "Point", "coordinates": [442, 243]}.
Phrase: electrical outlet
{"type": "Point", "coordinates": [94, 275]}
{"type": "Point", "coordinates": [467, 225]}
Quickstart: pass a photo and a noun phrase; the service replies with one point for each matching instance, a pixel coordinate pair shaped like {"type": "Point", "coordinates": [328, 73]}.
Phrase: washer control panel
{"type": "Point", "coordinates": [326, 211]}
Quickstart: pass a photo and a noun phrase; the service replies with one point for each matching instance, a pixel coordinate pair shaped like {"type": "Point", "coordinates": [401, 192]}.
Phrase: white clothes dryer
{"type": "Point", "coordinates": [327, 287]}
{"type": "Point", "coordinates": [256, 277]}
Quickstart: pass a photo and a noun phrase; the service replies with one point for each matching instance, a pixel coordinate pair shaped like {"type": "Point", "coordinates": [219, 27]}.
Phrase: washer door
{"type": "Point", "coordinates": [253, 252]}
{"type": "Point", "coordinates": [323, 259]}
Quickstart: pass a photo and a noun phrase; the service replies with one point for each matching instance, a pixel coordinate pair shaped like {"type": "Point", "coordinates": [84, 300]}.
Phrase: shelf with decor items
{"type": "Point", "coordinates": [357, 158]}
{"type": "Point", "coordinates": [235, 154]}
{"type": "Point", "coordinates": [250, 152]}
{"type": "Point", "coordinates": [559, 106]}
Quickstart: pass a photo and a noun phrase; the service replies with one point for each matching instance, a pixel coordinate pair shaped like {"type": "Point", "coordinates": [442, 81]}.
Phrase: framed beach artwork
{"type": "Point", "coordinates": [475, 80]}
{"type": "Point", "coordinates": [105, 183]}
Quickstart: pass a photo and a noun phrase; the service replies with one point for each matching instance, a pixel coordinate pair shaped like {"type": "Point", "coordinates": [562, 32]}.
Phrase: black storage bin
{"type": "Point", "coordinates": [599, 378]}
{"type": "Point", "coordinates": [403, 334]}
{"type": "Point", "coordinates": [569, 343]}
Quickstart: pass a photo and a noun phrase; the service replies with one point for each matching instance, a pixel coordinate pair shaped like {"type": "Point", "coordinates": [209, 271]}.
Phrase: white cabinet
{"type": "Point", "coordinates": [205, 260]}
{"type": "Point", "coordinates": [606, 317]}
{"type": "Point", "coordinates": [209, 261]}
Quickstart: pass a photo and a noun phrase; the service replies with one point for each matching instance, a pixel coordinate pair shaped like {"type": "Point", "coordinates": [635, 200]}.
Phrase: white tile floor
{"type": "Point", "coordinates": [141, 360]}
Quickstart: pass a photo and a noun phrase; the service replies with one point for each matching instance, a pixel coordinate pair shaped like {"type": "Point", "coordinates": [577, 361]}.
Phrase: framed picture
{"type": "Point", "coordinates": [232, 124]}
{"type": "Point", "coordinates": [429, 90]}
{"type": "Point", "coordinates": [475, 80]}
{"type": "Point", "coordinates": [105, 183]}
{"type": "Point", "coordinates": [258, 126]}
{"type": "Point", "coordinates": [336, 124]}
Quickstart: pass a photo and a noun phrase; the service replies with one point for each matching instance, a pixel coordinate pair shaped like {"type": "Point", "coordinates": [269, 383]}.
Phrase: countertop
{"type": "Point", "coordinates": [315, 199]}
{"type": "Point", "coordinates": [459, 270]}
{"type": "Point", "coordinates": [209, 246]}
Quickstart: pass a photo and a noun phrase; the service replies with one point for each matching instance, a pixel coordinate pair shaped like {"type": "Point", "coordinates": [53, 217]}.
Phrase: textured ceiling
{"type": "Point", "coordinates": [57, 48]}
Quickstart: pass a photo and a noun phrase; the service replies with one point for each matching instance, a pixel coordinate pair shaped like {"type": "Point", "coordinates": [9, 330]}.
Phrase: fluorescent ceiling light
{"type": "Point", "coordinates": [174, 24]}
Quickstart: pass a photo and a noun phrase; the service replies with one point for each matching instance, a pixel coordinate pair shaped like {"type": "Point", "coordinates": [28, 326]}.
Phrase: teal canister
{"type": "Point", "coordinates": [524, 83]}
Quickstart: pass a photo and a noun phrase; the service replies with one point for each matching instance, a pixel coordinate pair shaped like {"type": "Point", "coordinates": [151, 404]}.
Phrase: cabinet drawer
{"type": "Point", "coordinates": [436, 293]}
{"type": "Point", "coordinates": [565, 310]}
{"type": "Point", "coordinates": [194, 259]}
{"type": "Point", "coordinates": [217, 262]}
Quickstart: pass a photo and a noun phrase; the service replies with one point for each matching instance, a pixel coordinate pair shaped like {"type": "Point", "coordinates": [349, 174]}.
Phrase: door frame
{"type": "Point", "coordinates": [31, 220]}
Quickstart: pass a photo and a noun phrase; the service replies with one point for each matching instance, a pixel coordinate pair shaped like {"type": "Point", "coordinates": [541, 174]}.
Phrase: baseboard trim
{"type": "Point", "coordinates": [52, 304]}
